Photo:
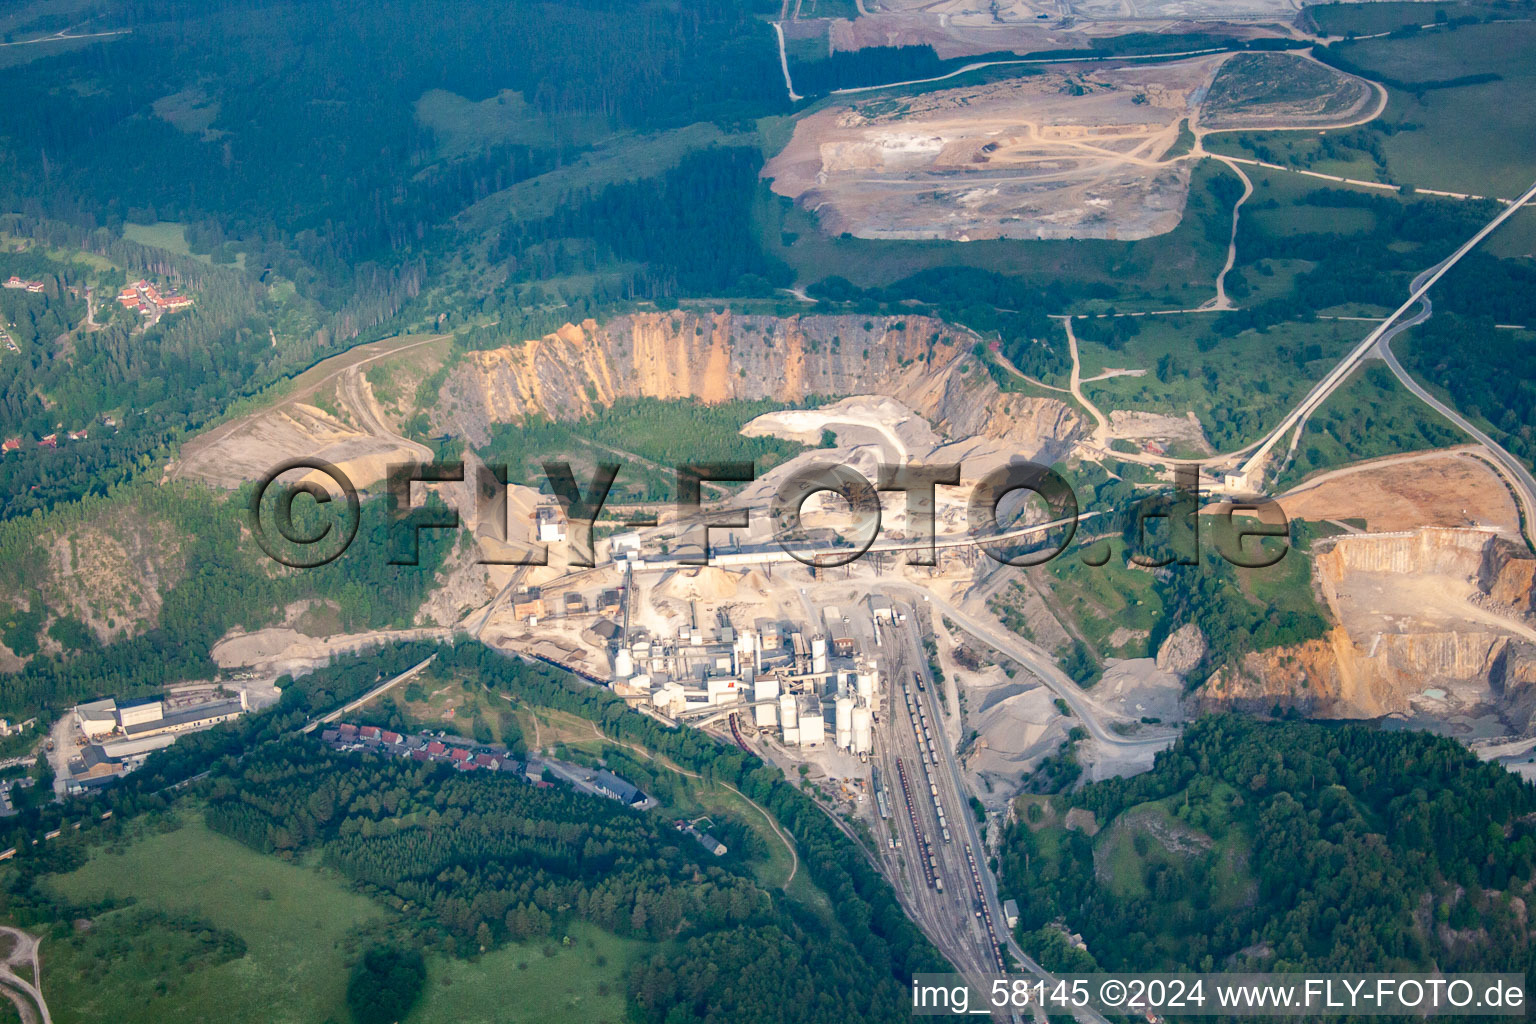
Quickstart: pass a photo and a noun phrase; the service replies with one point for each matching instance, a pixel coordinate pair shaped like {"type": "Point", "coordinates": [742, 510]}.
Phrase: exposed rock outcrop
{"type": "Point", "coordinates": [1183, 651]}
{"type": "Point", "coordinates": [924, 363]}
{"type": "Point", "coordinates": [1337, 678]}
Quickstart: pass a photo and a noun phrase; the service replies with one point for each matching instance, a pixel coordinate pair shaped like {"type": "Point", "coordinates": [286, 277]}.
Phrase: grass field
{"type": "Point", "coordinates": [1370, 415]}
{"type": "Point", "coordinates": [1161, 832]}
{"type": "Point", "coordinates": [1473, 138]}
{"type": "Point", "coordinates": [1468, 138]}
{"type": "Point", "coordinates": [300, 926]}
{"type": "Point", "coordinates": [1238, 389]}
{"type": "Point", "coordinates": [1104, 599]}
{"type": "Point", "coordinates": [534, 982]}
{"type": "Point", "coordinates": [170, 236]}
{"type": "Point", "coordinates": [620, 158]}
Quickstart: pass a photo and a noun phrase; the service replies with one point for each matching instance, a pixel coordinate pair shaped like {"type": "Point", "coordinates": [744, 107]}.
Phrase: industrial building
{"type": "Point", "coordinates": [808, 692]}
{"type": "Point", "coordinates": [116, 736]}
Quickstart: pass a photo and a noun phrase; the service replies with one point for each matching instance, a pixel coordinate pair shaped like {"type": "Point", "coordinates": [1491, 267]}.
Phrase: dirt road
{"type": "Point", "coordinates": [26, 995]}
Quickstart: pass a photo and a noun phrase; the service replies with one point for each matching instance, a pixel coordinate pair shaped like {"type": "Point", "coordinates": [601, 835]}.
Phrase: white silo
{"type": "Point", "coordinates": [766, 688]}
{"type": "Point", "coordinates": [866, 685]}
{"type": "Point", "coordinates": [863, 730]}
{"type": "Point", "coordinates": [623, 664]}
{"type": "Point", "coordinates": [789, 715]}
{"type": "Point", "coordinates": [843, 722]}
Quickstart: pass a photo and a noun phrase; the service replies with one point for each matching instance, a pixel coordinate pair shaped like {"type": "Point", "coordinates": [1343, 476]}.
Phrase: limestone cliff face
{"type": "Point", "coordinates": [1368, 667]}
{"type": "Point", "coordinates": [1508, 577]}
{"type": "Point", "coordinates": [720, 357]}
{"type": "Point", "coordinates": [1514, 680]}
{"type": "Point", "coordinates": [1337, 678]}
{"type": "Point", "coordinates": [1427, 552]}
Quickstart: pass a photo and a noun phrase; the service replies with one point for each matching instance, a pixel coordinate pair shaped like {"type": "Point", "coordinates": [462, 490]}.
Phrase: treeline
{"type": "Point", "coordinates": [667, 433]}
{"type": "Point", "coordinates": [1287, 846]}
{"type": "Point", "coordinates": [1486, 371]}
{"type": "Point", "coordinates": [1016, 310]}
{"type": "Point", "coordinates": [875, 65]}
{"type": "Point", "coordinates": [227, 583]}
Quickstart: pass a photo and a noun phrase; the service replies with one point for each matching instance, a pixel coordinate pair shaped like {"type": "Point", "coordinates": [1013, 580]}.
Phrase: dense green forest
{"type": "Point", "coordinates": [1487, 372]}
{"type": "Point", "coordinates": [1367, 266]}
{"type": "Point", "coordinates": [475, 860]}
{"type": "Point", "coordinates": [304, 227]}
{"type": "Point", "coordinates": [1284, 846]}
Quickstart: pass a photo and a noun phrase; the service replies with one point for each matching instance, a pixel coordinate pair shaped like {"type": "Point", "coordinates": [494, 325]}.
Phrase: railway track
{"type": "Point", "coordinates": [736, 733]}
{"type": "Point", "coordinates": [925, 852]}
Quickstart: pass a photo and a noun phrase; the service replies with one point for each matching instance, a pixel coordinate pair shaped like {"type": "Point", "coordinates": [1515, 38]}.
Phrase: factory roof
{"type": "Point", "coordinates": [191, 716]}
{"type": "Point", "coordinates": [624, 791]}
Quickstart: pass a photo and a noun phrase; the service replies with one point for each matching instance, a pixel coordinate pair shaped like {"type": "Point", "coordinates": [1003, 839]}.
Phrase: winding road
{"type": "Point", "coordinates": [26, 995]}
{"type": "Point", "coordinates": [1377, 342]}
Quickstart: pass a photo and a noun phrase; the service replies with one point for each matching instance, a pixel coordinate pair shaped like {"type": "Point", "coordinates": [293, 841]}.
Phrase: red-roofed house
{"type": "Point", "coordinates": [464, 766]}
{"type": "Point", "coordinates": [11, 444]}
{"type": "Point", "coordinates": [436, 748]}
{"type": "Point", "coordinates": [370, 732]}
{"type": "Point", "coordinates": [418, 755]}
{"type": "Point", "coordinates": [485, 761]}
{"type": "Point", "coordinates": [49, 441]}
{"type": "Point", "coordinates": [391, 737]}
{"type": "Point", "coordinates": [459, 754]}
{"type": "Point", "coordinates": [347, 731]}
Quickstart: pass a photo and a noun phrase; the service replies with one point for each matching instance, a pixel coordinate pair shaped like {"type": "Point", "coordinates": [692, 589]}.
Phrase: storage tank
{"type": "Point", "coordinates": [623, 664]}
{"type": "Point", "coordinates": [843, 712]}
{"type": "Point", "coordinates": [766, 688]}
{"type": "Point", "coordinates": [863, 730]}
{"type": "Point", "coordinates": [789, 715]}
{"type": "Point", "coordinates": [866, 686]}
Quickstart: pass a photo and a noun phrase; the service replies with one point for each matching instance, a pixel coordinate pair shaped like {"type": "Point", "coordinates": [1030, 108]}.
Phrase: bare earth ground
{"type": "Point", "coordinates": [1151, 426]}
{"type": "Point", "coordinates": [1049, 155]}
{"type": "Point", "coordinates": [1023, 158]}
{"type": "Point", "coordinates": [359, 442]}
{"type": "Point", "coordinates": [1436, 489]}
